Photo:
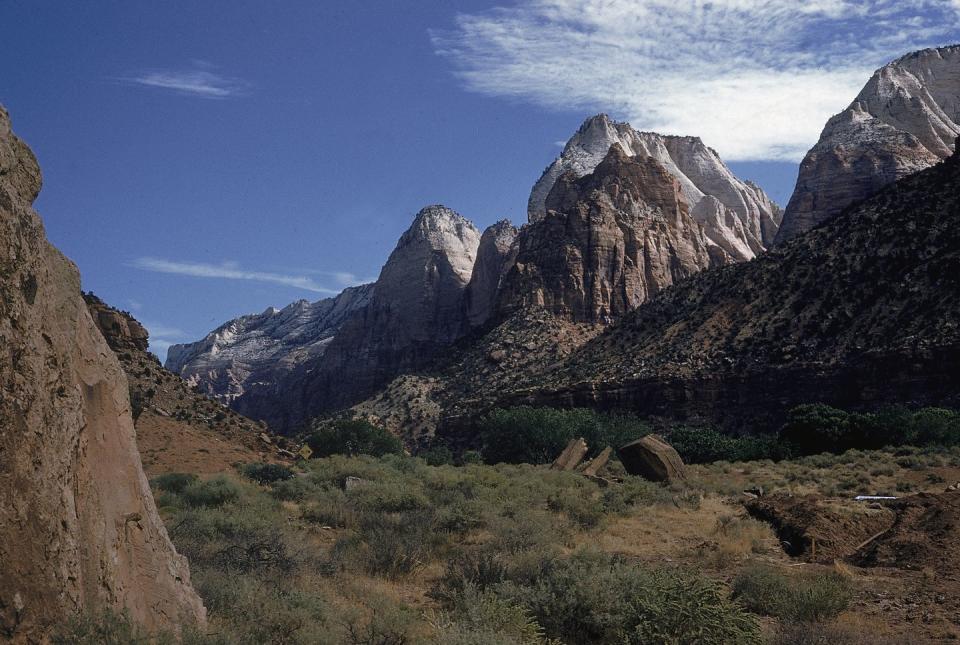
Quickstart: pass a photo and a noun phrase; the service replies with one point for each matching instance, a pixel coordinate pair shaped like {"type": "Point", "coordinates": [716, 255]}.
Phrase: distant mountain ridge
{"type": "Point", "coordinates": [258, 350]}
{"type": "Point", "coordinates": [446, 281]}
{"type": "Point", "coordinates": [905, 119]}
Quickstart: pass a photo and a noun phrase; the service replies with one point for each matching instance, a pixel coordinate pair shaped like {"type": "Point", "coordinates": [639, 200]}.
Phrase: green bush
{"type": "Point", "coordinates": [173, 482]}
{"type": "Point", "coordinates": [352, 437]}
{"type": "Point", "coordinates": [807, 598]}
{"type": "Point", "coordinates": [817, 427]}
{"type": "Point", "coordinates": [537, 435]}
{"type": "Point", "coordinates": [214, 492]}
{"type": "Point", "coordinates": [438, 456]}
{"type": "Point", "coordinates": [267, 473]}
{"type": "Point", "coordinates": [706, 445]}
{"type": "Point", "coordinates": [597, 598]}
{"type": "Point", "coordinates": [106, 628]}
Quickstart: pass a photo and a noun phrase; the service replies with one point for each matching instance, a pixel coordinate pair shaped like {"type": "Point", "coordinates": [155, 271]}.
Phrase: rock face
{"type": "Point", "coordinates": [258, 351]}
{"type": "Point", "coordinates": [79, 530]}
{"type": "Point", "coordinates": [608, 242]}
{"type": "Point", "coordinates": [905, 119]}
{"type": "Point", "coordinates": [495, 256]}
{"type": "Point", "coordinates": [119, 329]}
{"type": "Point", "coordinates": [652, 458]}
{"type": "Point", "coordinates": [738, 216]}
{"type": "Point", "coordinates": [178, 430]}
{"type": "Point", "coordinates": [860, 312]}
{"type": "Point", "coordinates": [415, 313]}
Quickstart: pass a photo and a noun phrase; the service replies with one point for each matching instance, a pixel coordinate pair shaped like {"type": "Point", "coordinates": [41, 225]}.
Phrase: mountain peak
{"type": "Point", "coordinates": [905, 119]}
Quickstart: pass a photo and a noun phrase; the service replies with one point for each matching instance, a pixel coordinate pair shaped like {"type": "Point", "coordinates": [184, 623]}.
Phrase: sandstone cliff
{"type": "Point", "coordinates": [415, 313]}
{"type": "Point", "coordinates": [495, 257]}
{"type": "Point", "coordinates": [79, 530]}
{"type": "Point", "coordinates": [739, 218]}
{"type": "Point", "coordinates": [259, 350]}
{"type": "Point", "coordinates": [178, 429]}
{"type": "Point", "coordinates": [609, 240]}
{"type": "Point", "coordinates": [904, 120]}
{"type": "Point", "coordinates": [860, 312]}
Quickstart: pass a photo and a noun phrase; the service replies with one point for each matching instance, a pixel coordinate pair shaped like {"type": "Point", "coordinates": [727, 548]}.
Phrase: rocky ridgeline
{"type": "Point", "coordinates": [613, 238]}
{"type": "Point", "coordinates": [904, 120]}
{"type": "Point", "coordinates": [859, 312]}
{"type": "Point", "coordinates": [608, 241]}
{"type": "Point", "coordinates": [737, 215]}
{"type": "Point", "coordinates": [178, 428]}
{"type": "Point", "coordinates": [260, 350]}
{"type": "Point", "coordinates": [81, 531]}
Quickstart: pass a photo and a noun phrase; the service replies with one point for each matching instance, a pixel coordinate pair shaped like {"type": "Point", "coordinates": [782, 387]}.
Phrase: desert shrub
{"type": "Point", "coordinates": [267, 473]}
{"type": "Point", "coordinates": [352, 437]}
{"type": "Point", "coordinates": [707, 445]}
{"type": "Point", "coordinates": [483, 618]}
{"type": "Point", "coordinates": [293, 490]}
{"type": "Point", "coordinates": [537, 435]}
{"type": "Point", "coordinates": [173, 482]}
{"type": "Point", "coordinates": [213, 492]}
{"type": "Point", "coordinates": [807, 598]}
{"type": "Point", "coordinates": [598, 598]}
{"type": "Point", "coordinates": [106, 628]}
{"type": "Point", "coordinates": [471, 457]}
{"type": "Point", "coordinates": [386, 497]}
{"type": "Point", "coordinates": [253, 611]}
{"type": "Point", "coordinates": [438, 456]}
{"type": "Point", "coordinates": [389, 545]}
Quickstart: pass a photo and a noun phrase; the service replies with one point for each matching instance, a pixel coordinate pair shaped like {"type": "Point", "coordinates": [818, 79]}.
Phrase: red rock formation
{"type": "Point", "coordinates": [79, 530]}
{"type": "Point", "coordinates": [608, 241]}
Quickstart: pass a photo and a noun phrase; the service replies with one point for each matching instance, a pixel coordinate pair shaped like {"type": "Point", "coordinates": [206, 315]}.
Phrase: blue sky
{"type": "Point", "coordinates": [208, 159]}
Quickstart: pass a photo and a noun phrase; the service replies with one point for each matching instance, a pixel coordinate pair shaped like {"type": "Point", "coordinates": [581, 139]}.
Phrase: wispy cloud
{"type": "Point", "coordinates": [201, 81]}
{"type": "Point", "coordinates": [230, 271]}
{"type": "Point", "coordinates": [757, 79]}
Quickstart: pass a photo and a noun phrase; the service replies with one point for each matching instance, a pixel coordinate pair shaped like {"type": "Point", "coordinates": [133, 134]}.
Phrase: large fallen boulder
{"type": "Point", "coordinates": [652, 458]}
{"type": "Point", "coordinates": [79, 530]}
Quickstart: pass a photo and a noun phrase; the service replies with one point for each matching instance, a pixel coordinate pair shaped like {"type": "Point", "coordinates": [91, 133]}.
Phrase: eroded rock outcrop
{"type": "Point", "coordinates": [860, 312]}
{"type": "Point", "coordinates": [415, 313]}
{"type": "Point", "coordinates": [904, 120]}
{"type": "Point", "coordinates": [495, 256]}
{"type": "Point", "coordinates": [79, 530]}
{"type": "Point", "coordinates": [608, 242]}
{"type": "Point", "coordinates": [258, 351]}
{"type": "Point", "coordinates": [739, 218]}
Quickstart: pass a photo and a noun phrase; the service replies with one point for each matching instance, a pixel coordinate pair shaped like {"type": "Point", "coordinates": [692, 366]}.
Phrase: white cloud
{"type": "Point", "coordinates": [201, 82]}
{"type": "Point", "coordinates": [757, 79]}
{"type": "Point", "coordinates": [229, 271]}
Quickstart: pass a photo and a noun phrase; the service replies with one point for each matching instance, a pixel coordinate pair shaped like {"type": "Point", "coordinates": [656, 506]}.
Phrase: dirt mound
{"type": "Point", "coordinates": [818, 529]}
{"type": "Point", "coordinates": [926, 533]}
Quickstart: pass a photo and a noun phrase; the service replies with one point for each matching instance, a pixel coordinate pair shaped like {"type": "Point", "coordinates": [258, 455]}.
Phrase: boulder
{"type": "Point", "coordinates": [652, 458]}
{"type": "Point", "coordinates": [571, 456]}
{"type": "Point", "coordinates": [597, 463]}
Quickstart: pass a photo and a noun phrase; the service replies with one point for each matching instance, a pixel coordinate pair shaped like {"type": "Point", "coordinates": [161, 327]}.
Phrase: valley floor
{"type": "Point", "coordinates": [392, 551]}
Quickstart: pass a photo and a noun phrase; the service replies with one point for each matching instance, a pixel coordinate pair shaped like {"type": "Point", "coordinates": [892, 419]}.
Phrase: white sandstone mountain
{"type": "Point", "coordinates": [905, 119]}
{"type": "Point", "coordinates": [262, 348]}
{"type": "Point", "coordinates": [736, 215]}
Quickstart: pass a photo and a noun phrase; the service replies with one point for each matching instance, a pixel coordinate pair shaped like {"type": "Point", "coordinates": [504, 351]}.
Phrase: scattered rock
{"type": "Point", "coordinates": [652, 458]}
{"type": "Point", "coordinates": [571, 456]}
{"type": "Point", "coordinates": [352, 482]}
{"type": "Point", "coordinates": [597, 463]}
